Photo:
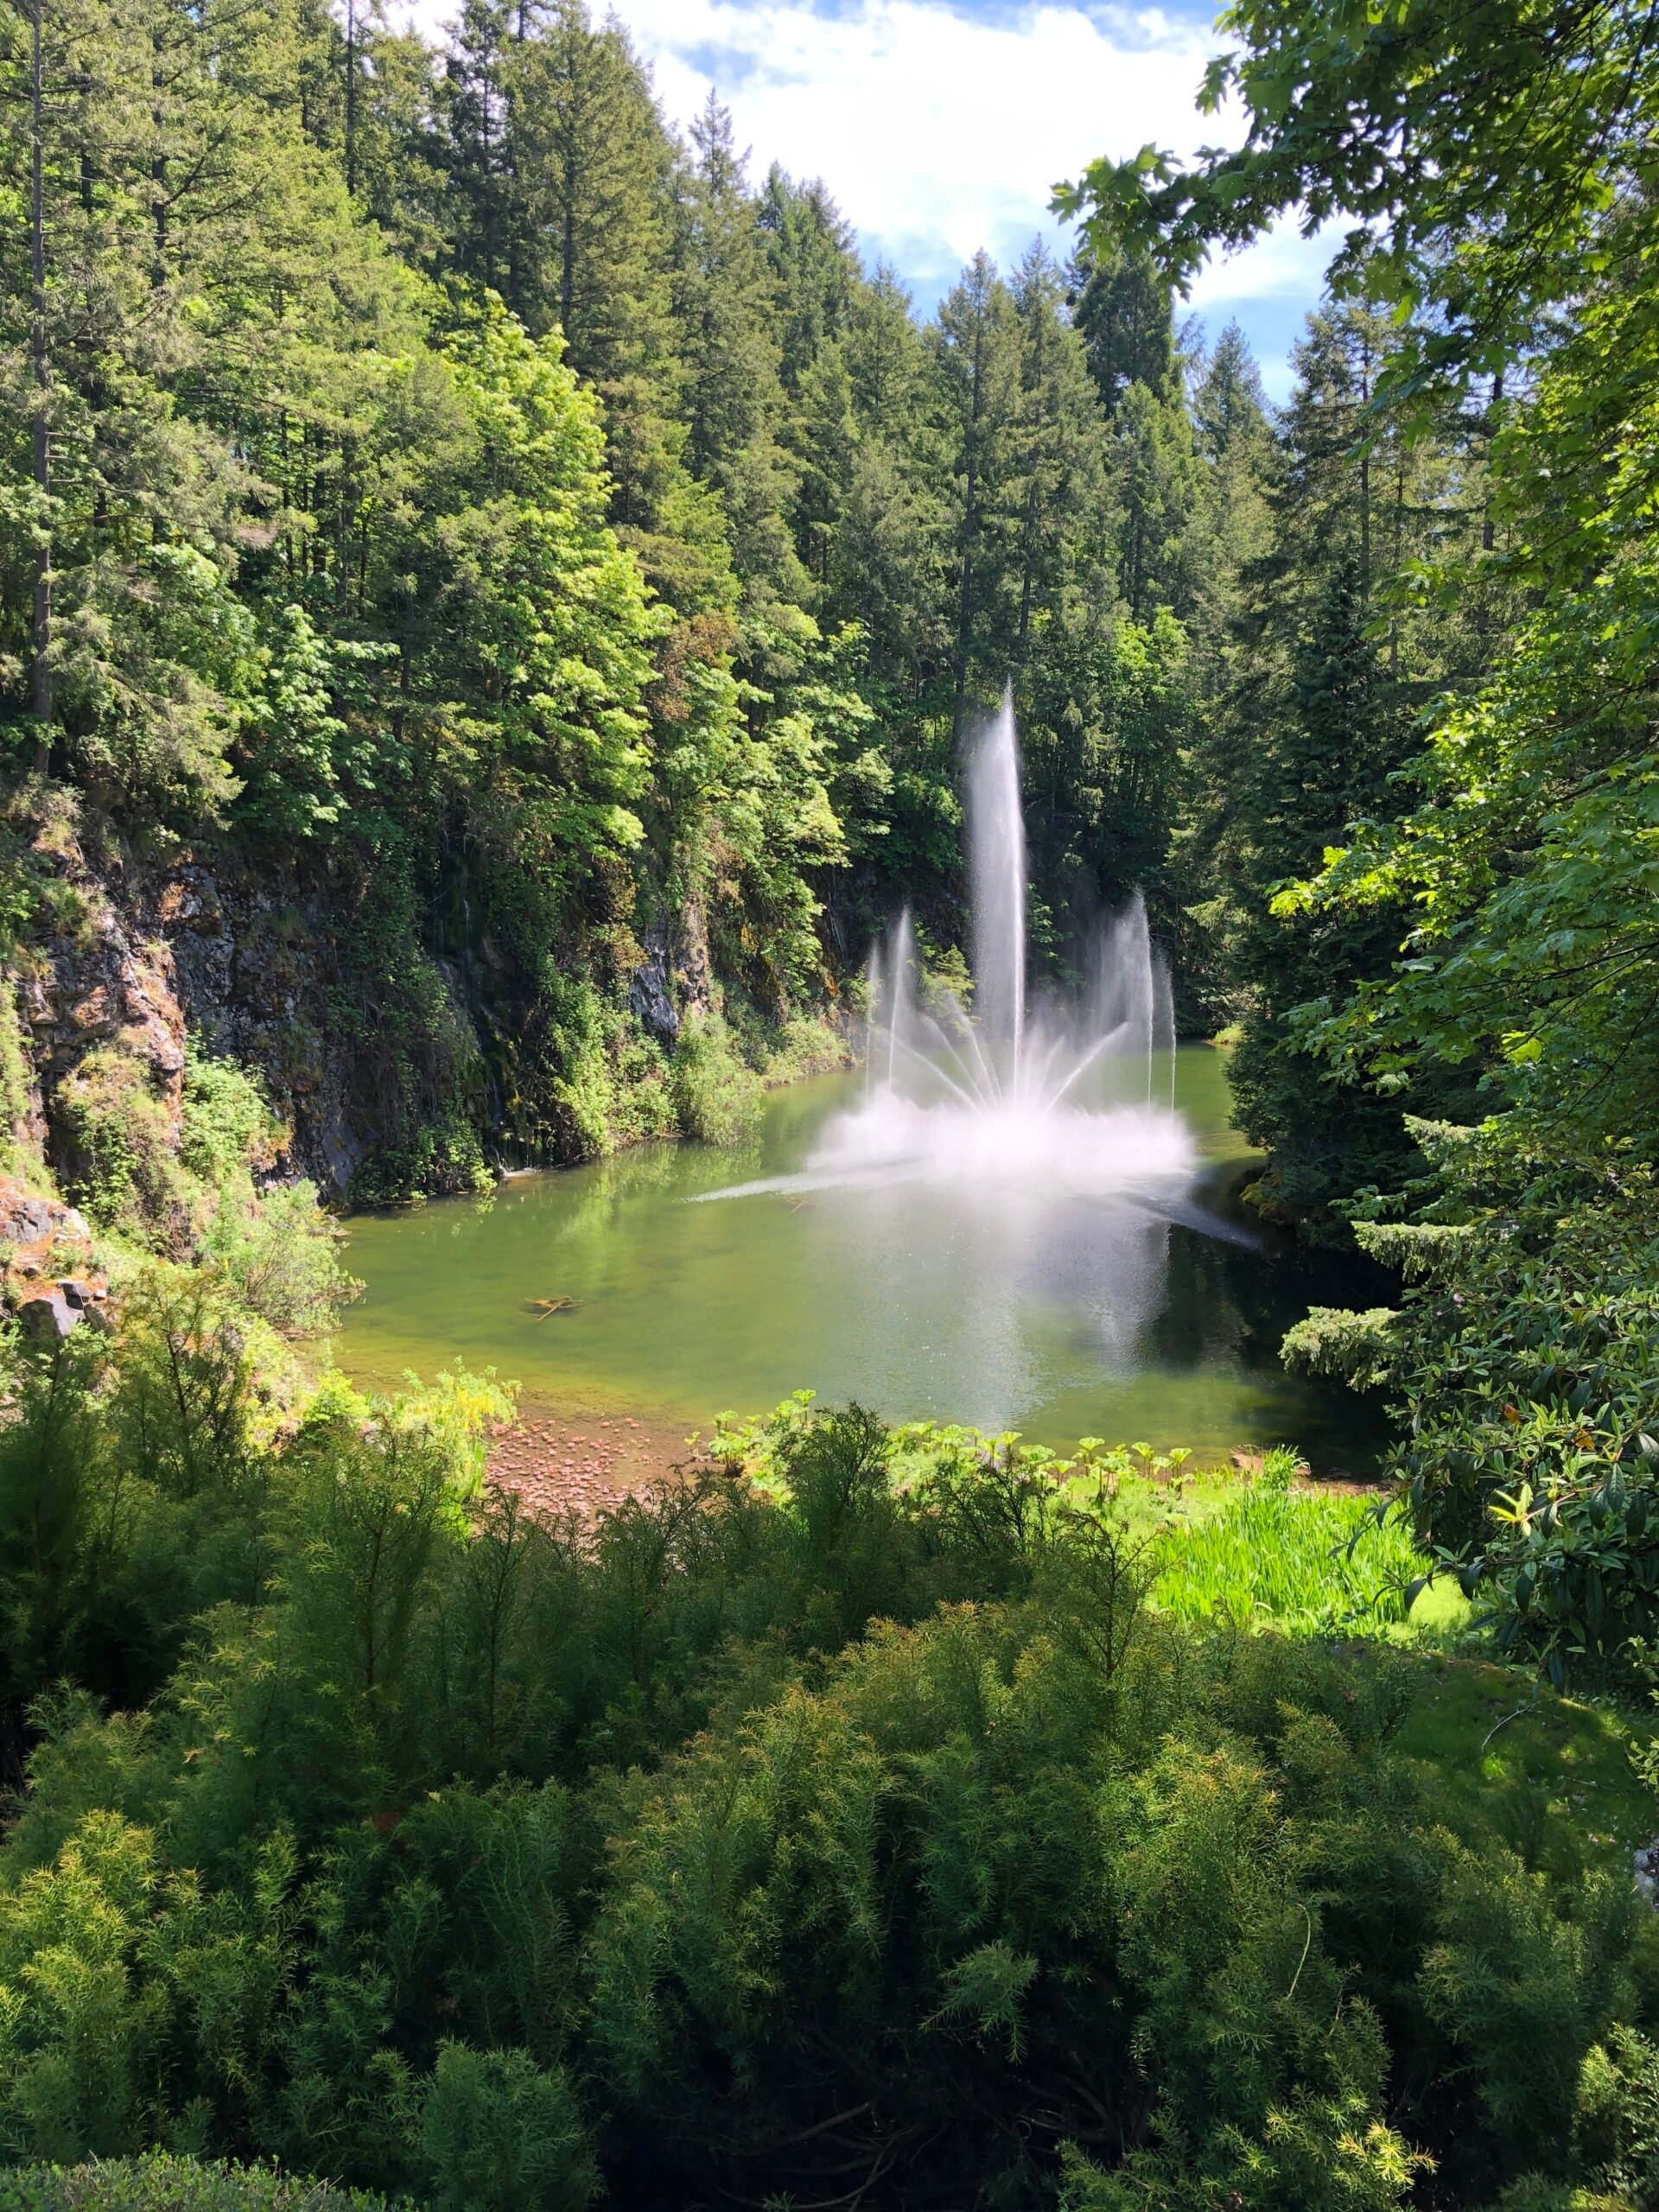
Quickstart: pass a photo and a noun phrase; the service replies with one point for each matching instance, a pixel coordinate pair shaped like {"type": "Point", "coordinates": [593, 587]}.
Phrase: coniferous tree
{"type": "Point", "coordinates": [725, 300]}
{"type": "Point", "coordinates": [487, 227]}
{"type": "Point", "coordinates": [1123, 310]}
{"type": "Point", "coordinates": [977, 350]}
{"type": "Point", "coordinates": [1319, 712]}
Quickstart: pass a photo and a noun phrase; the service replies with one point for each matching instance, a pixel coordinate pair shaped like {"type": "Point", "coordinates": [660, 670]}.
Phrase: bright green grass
{"type": "Point", "coordinates": [1261, 1551]}
{"type": "Point", "coordinates": [1306, 1562]}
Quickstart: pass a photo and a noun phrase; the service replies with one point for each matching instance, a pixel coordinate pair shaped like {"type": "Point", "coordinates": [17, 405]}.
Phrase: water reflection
{"type": "Point", "coordinates": [1060, 1316]}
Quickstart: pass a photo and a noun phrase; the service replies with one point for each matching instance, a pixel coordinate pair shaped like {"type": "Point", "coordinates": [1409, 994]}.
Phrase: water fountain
{"type": "Point", "coordinates": [1063, 1098]}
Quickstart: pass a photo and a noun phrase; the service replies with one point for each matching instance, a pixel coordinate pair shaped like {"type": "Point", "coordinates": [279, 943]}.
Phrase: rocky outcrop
{"type": "Point", "coordinates": [138, 952]}
{"type": "Point", "coordinates": [652, 1001]}
{"type": "Point", "coordinates": [31, 1224]}
{"type": "Point", "coordinates": [102, 981]}
{"type": "Point", "coordinates": [386, 1058]}
{"type": "Point", "coordinates": [255, 960]}
{"type": "Point", "coordinates": [45, 1271]}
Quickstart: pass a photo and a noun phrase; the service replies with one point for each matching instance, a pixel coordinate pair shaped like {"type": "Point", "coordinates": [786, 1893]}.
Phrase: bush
{"type": "Point", "coordinates": [122, 1167]}
{"type": "Point", "coordinates": [877, 1834]}
{"type": "Point", "coordinates": [280, 1252]}
{"type": "Point", "coordinates": [499, 2132]}
{"type": "Point", "coordinates": [717, 1098]}
{"type": "Point", "coordinates": [162, 2183]}
{"type": "Point", "coordinates": [1524, 1364]}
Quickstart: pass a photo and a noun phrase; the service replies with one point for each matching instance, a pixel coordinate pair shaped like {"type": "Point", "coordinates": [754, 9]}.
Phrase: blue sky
{"type": "Point", "coordinates": [941, 125]}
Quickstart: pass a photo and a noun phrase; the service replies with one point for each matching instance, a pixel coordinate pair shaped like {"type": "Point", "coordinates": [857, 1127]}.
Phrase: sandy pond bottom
{"type": "Point", "coordinates": [1055, 1314]}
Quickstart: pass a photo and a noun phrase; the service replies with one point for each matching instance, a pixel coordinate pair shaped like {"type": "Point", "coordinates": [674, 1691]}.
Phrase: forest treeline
{"type": "Point", "coordinates": [445, 495]}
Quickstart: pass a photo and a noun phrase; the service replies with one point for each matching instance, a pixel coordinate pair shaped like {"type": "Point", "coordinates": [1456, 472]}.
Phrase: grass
{"type": "Point", "coordinates": [1548, 1764]}
{"type": "Point", "coordinates": [1308, 1561]}
{"type": "Point", "coordinates": [1267, 1549]}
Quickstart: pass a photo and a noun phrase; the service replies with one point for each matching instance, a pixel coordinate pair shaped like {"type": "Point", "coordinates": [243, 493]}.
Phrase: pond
{"type": "Point", "coordinates": [1058, 1317]}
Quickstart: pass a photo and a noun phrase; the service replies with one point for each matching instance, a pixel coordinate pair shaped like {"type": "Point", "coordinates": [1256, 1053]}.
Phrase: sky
{"type": "Point", "coordinates": [943, 125]}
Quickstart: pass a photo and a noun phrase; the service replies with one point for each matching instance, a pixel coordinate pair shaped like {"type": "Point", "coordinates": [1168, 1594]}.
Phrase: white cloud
{"type": "Point", "coordinates": [928, 127]}
{"type": "Point", "coordinates": [938, 133]}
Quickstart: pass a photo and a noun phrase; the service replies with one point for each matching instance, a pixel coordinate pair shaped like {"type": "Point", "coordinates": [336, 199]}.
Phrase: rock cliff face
{"type": "Point", "coordinates": [255, 964]}
{"type": "Point", "coordinates": [96, 986]}
{"type": "Point", "coordinates": [129, 951]}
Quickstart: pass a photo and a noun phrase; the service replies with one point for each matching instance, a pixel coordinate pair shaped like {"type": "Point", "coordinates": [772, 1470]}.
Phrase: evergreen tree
{"type": "Point", "coordinates": [725, 302]}
{"type": "Point", "coordinates": [482, 158]}
{"type": "Point", "coordinates": [977, 350]}
{"type": "Point", "coordinates": [887, 572]}
{"type": "Point", "coordinates": [1067, 524]}
{"type": "Point", "coordinates": [1234, 442]}
{"type": "Point", "coordinates": [815, 267]}
{"type": "Point", "coordinates": [1321, 712]}
{"type": "Point", "coordinates": [1123, 310]}
{"type": "Point", "coordinates": [1157, 483]}
{"type": "Point", "coordinates": [594, 160]}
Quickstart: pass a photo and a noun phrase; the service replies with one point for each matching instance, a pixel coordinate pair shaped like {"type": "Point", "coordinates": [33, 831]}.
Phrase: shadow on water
{"type": "Point", "coordinates": [1229, 1305]}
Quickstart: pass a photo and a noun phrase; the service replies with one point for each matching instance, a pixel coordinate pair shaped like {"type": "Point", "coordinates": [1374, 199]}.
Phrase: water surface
{"type": "Point", "coordinates": [1058, 1318]}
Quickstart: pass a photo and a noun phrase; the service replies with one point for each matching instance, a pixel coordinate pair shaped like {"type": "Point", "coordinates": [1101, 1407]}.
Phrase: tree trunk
{"type": "Point", "coordinates": [41, 632]}
{"type": "Point", "coordinates": [350, 98]}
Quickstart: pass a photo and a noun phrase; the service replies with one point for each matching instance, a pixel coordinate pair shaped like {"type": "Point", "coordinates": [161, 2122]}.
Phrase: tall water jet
{"type": "Point", "coordinates": [1014, 1151]}
{"type": "Point", "coordinates": [1163, 1024]}
{"type": "Point", "coordinates": [996, 867]}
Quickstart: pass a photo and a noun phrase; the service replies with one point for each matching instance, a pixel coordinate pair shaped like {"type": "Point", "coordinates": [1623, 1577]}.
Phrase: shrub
{"type": "Point", "coordinates": [280, 1252]}
{"type": "Point", "coordinates": [121, 1166]}
{"type": "Point", "coordinates": [227, 1125]}
{"type": "Point", "coordinates": [876, 1835]}
{"type": "Point", "coordinates": [1523, 1362]}
{"type": "Point", "coordinates": [160, 2182]}
{"type": "Point", "coordinates": [499, 2133]}
{"type": "Point", "coordinates": [717, 1098]}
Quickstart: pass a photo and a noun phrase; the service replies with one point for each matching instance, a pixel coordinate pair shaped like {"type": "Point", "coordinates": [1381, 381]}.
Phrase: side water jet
{"type": "Point", "coordinates": [1059, 1098]}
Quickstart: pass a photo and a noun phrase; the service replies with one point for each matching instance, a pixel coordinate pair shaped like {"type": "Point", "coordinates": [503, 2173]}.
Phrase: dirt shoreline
{"type": "Point", "coordinates": [584, 1463]}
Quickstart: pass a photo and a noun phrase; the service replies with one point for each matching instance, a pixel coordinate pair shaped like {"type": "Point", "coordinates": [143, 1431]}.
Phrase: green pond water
{"type": "Point", "coordinates": [1058, 1320]}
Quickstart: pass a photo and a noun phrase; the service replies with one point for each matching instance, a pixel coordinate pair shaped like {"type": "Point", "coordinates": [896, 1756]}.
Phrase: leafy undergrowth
{"type": "Point", "coordinates": [1264, 1549]}
{"type": "Point", "coordinates": [1539, 1766]}
{"type": "Point", "coordinates": [733, 1847]}
{"type": "Point", "coordinates": [163, 2183]}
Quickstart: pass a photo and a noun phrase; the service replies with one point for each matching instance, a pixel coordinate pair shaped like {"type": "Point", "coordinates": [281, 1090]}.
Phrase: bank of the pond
{"type": "Point", "coordinates": [559, 1463]}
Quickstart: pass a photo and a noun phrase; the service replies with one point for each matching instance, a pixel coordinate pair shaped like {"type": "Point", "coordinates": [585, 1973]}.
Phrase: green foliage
{"type": "Point", "coordinates": [225, 1126]}
{"type": "Point", "coordinates": [497, 2133]}
{"type": "Point", "coordinates": [119, 1132]}
{"type": "Point", "coordinates": [15, 1073]}
{"type": "Point", "coordinates": [717, 1099]}
{"type": "Point", "coordinates": [1384, 121]}
{"type": "Point", "coordinates": [1304, 1561]}
{"type": "Point", "coordinates": [1359, 1349]}
{"type": "Point", "coordinates": [545, 548]}
{"type": "Point", "coordinates": [742, 1836]}
{"type": "Point", "coordinates": [1478, 933]}
{"type": "Point", "coordinates": [159, 2181]}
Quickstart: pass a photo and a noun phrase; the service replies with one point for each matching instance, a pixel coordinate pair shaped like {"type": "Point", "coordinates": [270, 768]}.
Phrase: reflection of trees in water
{"type": "Point", "coordinates": [1225, 1303]}
{"type": "Point", "coordinates": [578, 1200]}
